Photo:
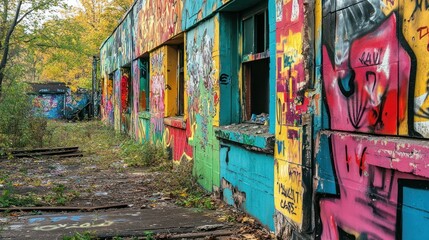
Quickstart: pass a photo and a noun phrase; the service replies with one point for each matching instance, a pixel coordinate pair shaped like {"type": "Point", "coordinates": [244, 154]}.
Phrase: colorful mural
{"type": "Point", "coordinates": [136, 100]}
{"type": "Point", "coordinates": [117, 100]}
{"type": "Point", "coordinates": [202, 91]}
{"type": "Point", "coordinates": [295, 104]}
{"type": "Point", "coordinates": [348, 104]}
{"type": "Point", "coordinates": [375, 83]}
{"type": "Point", "coordinates": [157, 93]}
{"type": "Point", "coordinates": [176, 142]}
{"type": "Point", "coordinates": [157, 21]}
{"type": "Point", "coordinates": [368, 176]}
{"type": "Point", "coordinates": [49, 105]}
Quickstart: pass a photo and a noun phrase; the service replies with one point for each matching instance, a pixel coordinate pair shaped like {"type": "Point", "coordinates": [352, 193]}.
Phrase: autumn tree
{"type": "Point", "coordinates": [13, 14]}
{"type": "Point", "coordinates": [78, 39]}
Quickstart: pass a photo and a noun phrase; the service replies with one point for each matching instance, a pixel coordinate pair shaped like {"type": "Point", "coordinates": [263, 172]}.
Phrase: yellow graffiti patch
{"type": "Point", "coordinates": [288, 191]}
{"type": "Point", "coordinates": [415, 27]}
{"type": "Point", "coordinates": [289, 49]}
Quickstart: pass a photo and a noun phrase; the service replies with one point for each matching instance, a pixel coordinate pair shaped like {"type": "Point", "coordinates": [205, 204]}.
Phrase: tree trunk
{"type": "Point", "coordinates": [6, 44]}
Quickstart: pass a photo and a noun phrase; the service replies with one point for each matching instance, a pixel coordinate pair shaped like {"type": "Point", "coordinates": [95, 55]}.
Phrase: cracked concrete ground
{"type": "Point", "coordinates": [101, 178]}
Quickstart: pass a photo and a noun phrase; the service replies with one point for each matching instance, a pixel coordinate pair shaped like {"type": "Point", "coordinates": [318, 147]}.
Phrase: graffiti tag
{"type": "Point", "coordinates": [74, 225]}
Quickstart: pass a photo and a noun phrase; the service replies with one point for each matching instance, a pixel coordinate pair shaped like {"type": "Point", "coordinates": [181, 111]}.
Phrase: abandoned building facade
{"type": "Point", "coordinates": [253, 92]}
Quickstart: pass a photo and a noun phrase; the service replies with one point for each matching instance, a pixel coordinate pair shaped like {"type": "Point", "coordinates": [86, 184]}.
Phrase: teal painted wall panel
{"type": "Point", "coordinates": [228, 79]}
{"type": "Point", "coordinates": [196, 10]}
{"type": "Point", "coordinates": [250, 176]}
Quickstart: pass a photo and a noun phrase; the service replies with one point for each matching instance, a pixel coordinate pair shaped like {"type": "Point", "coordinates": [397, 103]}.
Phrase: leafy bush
{"type": "Point", "coordinates": [18, 126]}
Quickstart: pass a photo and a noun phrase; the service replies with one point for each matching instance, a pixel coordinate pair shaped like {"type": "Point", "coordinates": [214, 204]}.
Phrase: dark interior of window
{"type": "Point", "coordinates": [181, 81]}
{"type": "Point", "coordinates": [256, 77]}
{"type": "Point", "coordinates": [256, 68]}
{"type": "Point", "coordinates": [255, 32]}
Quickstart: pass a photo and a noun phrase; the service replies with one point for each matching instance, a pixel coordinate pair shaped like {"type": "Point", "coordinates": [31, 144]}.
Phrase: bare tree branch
{"type": "Point", "coordinates": [6, 43]}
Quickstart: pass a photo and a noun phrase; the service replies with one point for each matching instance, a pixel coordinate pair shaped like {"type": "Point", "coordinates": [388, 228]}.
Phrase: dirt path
{"type": "Point", "coordinates": [104, 177]}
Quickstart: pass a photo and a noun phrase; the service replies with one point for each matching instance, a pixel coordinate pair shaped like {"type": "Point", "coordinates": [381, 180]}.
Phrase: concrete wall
{"type": "Point", "coordinates": [343, 153]}
{"type": "Point", "coordinates": [247, 181]}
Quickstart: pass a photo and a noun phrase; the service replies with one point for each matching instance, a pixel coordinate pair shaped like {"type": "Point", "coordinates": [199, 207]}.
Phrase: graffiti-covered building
{"type": "Point", "coordinates": [312, 116]}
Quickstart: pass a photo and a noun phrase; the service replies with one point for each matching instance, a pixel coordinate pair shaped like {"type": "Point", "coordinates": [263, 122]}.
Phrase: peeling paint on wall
{"type": "Point", "coordinates": [202, 91]}
{"type": "Point", "coordinates": [375, 83]}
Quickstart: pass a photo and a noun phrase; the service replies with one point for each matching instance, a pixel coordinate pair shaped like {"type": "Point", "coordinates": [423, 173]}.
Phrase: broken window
{"type": "Point", "coordinates": [255, 64]}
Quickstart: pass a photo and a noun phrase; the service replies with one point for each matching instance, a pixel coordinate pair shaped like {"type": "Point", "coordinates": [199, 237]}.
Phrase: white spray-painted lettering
{"type": "Point", "coordinates": [74, 225]}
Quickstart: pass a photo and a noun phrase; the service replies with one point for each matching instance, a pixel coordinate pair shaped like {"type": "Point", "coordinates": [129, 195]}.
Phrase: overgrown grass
{"type": "Point", "coordinates": [9, 197]}
{"type": "Point", "coordinates": [143, 155]}
{"type": "Point", "coordinates": [180, 182]}
{"type": "Point", "coordinates": [94, 138]}
{"type": "Point", "coordinates": [80, 236]}
{"type": "Point", "coordinates": [60, 195]}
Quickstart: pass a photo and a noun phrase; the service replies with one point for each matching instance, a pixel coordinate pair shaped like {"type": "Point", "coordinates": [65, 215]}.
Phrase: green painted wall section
{"type": "Point", "coordinates": [203, 100]}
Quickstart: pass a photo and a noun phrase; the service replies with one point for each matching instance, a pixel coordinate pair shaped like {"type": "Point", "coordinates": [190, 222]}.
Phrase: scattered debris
{"type": "Point", "coordinates": [210, 227]}
{"type": "Point", "coordinates": [262, 118]}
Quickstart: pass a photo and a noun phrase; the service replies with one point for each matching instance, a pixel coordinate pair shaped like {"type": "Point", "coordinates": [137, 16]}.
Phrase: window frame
{"type": "Point", "coordinates": [146, 78]}
{"type": "Point", "coordinates": [250, 58]}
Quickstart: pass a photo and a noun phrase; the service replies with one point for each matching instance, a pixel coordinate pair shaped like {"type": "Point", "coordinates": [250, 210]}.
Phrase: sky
{"type": "Point", "coordinates": [74, 2]}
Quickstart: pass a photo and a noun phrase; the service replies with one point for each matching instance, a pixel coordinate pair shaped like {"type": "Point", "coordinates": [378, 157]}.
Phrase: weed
{"type": "Point", "coordinates": [80, 236]}
{"type": "Point", "coordinates": [8, 197]}
{"type": "Point", "coordinates": [196, 200]}
{"type": "Point", "coordinates": [60, 195]}
{"type": "Point", "coordinates": [142, 155]}
{"type": "Point", "coordinates": [149, 235]}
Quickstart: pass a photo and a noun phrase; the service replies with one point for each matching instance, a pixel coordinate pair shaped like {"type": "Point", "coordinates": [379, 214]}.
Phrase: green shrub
{"type": "Point", "coordinates": [18, 126]}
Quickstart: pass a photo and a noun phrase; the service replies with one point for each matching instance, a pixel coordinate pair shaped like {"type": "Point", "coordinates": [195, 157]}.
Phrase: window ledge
{"type": "Point", "coordinates": [256, 56]}
{"type": "Point", "coordinates": [144, 115]}
{"type": "Point", "coordinates": [252, 136]}
{"type": "Point", "coordinates": [176, 122]}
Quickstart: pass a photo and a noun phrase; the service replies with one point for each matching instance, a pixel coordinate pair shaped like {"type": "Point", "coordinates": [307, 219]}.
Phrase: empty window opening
{"type": "Point", "coordinates": [256, 88]}
{"type": "Point", "coordinates": [255, 64]}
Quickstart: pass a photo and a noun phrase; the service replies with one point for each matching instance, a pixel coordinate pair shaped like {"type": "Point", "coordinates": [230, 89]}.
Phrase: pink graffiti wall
{"type": "Point", "coordinates": [371, 81]}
